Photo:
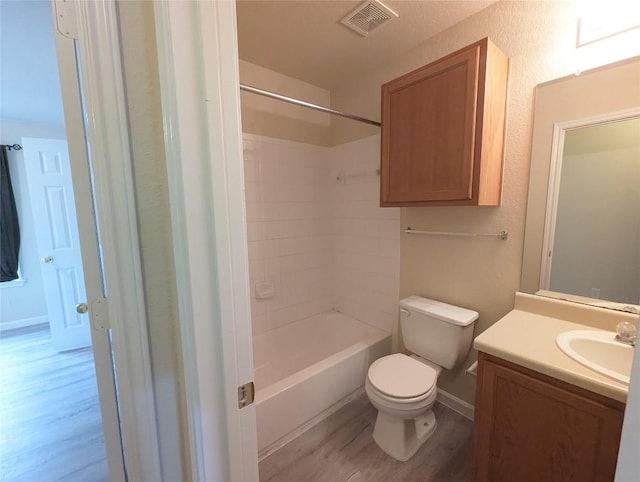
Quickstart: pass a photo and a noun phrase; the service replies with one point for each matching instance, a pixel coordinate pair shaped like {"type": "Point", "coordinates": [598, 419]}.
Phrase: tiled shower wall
{"type": "Point", "coordinates": [366, 237]}
{"type": "Point", "coordinates": [289, 230]}
{"type": "Point", "coordinates": [324, 243]}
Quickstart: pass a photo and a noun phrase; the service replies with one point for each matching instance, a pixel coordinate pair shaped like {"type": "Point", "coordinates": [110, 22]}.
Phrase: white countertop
{"type": "Point", "coordinates": [527, 337]}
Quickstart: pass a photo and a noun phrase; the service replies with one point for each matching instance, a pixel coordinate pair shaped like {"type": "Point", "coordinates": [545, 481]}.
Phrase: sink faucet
{"type": "Point", "coordinates": [627, 333]}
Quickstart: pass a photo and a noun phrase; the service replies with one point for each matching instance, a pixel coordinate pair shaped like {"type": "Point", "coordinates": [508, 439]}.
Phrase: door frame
{"type": "Point", "coordinates": [99, 79]}
{"type": "Point", "coordinates": [198, 67]}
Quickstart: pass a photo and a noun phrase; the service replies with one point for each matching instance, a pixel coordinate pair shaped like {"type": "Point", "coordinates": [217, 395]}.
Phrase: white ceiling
{"type": "Point", "coordinates": [29, 83]}
{"type": "Point", "coordinates": [304, 39]}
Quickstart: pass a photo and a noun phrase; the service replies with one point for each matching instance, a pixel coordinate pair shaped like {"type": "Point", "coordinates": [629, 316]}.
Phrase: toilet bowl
{"type": "Point", "coordinates": [403, 388]}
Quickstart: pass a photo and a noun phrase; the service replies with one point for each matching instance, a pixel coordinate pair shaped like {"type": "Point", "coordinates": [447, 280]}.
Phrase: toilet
{"type": "Point", "coordinates": [403, 387]}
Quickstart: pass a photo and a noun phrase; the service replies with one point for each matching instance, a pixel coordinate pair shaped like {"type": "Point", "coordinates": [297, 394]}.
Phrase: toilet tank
{"type": "Point", "coordinates": [436, 331]}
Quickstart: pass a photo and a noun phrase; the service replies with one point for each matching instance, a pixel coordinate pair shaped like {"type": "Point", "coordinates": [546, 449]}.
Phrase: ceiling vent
{"type": "Point", "coordinates": [368, 16]}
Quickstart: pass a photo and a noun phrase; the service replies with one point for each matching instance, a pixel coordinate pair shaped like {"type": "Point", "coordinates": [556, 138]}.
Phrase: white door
{"type": "Point", "coordinates": [53, 206]}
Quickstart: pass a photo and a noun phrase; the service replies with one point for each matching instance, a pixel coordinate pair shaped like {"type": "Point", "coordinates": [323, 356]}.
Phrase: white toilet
{"type": "Point", "coordinates": [403, 388]}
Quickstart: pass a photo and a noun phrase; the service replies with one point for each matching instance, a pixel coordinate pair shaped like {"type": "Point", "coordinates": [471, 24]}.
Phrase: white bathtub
{"type": "Point", "coordinates": [304, 368]}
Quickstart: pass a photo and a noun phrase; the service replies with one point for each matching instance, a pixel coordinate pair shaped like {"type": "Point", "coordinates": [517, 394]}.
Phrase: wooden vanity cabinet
{"type": "Point", "coordinates": [531, 427]}
{"type": "Point", "coordinates": [443, 131]}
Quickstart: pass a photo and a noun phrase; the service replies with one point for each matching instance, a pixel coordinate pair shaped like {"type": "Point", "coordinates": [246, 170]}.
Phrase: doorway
{"type": "Point", "coordinates": [51, 419]}
{"type": "Point", "coordinates": [50, 422]}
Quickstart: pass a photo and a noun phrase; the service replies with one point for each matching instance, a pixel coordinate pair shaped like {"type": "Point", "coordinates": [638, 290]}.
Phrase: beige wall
{"type": "Point", "coordinates": [154, 227]}
{"type": "Point", "coordinates": [278, 119]}
{"type": "Point", "coordinates": [481, 274]}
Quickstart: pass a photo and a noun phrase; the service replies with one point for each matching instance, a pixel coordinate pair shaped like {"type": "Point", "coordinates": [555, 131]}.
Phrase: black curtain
{"type": "Point", "coordinates": [9, 229]}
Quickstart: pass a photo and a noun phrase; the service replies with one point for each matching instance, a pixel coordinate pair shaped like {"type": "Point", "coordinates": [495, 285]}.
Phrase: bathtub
{"type": "Point", "coordinates": [305, 368]}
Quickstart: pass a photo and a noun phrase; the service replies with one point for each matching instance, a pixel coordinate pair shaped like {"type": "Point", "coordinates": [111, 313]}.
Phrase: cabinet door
{"type": "Point", "coordinates": [429, 119]}
{"type": "Point", "coordinates": [530, 430]}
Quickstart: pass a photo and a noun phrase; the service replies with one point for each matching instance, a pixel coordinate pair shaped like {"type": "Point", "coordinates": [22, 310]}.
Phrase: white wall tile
{"type": "Point", "coordinates": [271, 230]}
{"type": "Point", "coordinates": [366, 237]}
{"type": "Point", "coordinates": [389, 248]}
{"type": "Point", "coordinates": [272, 248]}
{"type": "Point", "coordinates": [389, 228]}
{"type": "Point", "coordinates": [273, 269]}
{"type": "Point", "coordinates": [254, 231]}
{"type": "Point", "coordinates": [254, 212]}
{"type": "Point", "coordinates": [256, 250]}
{"type": "Point", "coordinates": [259, 324]}
{"type": "Point", "coordinates": [326, 244]}
{"type": "Point", "coordinates": [269, 211]}
{"type": "Point", "coordinates": [388, 266]}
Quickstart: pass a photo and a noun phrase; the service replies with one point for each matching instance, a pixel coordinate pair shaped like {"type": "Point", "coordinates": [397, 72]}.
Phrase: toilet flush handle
{"type": "Point", "coordinates": [405, 312]}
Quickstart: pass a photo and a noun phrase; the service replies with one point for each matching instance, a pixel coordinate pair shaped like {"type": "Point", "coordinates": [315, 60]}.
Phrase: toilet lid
{"type": "Point", "coordinates": [401, 376]}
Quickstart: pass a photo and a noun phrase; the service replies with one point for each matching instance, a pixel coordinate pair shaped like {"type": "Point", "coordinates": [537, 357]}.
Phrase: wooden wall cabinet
{"type": "Point", "coordinates": [531, 427]}
{"type": "Point", "coordinates": [443, 131]}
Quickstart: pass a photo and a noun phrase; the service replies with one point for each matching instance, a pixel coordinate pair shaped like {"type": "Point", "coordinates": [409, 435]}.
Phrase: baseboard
{"type": "Point", "coordinates": [456, 404]}
{"type": "Point", "coordinates": [13, 325]}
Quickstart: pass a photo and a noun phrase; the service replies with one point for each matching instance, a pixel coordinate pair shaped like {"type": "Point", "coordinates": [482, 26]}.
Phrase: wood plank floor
{"type": "Point", "coordinates": [341, 449]}
{"type": "Point", "coordinates": [50, 426]}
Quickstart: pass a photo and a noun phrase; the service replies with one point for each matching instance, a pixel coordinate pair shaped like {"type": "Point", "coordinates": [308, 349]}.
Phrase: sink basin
{"type": "Point", "coordinates": [599, 351]}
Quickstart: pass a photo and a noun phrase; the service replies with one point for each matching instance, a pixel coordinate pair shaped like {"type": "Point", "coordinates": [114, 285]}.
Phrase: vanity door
{"type": "Point", "coordinates": [530, 427]}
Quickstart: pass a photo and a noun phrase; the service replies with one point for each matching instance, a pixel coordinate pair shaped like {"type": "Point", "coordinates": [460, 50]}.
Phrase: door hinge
{"type": "Point", "coordinates": [246, 394]}
{"type": "Point", "coordinates": [100, 314]}
{"type": "Point", "coordinates": [66, 21]}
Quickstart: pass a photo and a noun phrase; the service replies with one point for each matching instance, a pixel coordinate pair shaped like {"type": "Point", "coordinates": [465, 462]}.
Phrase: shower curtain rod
{"type": "Point", "coordinates": [291, 100]}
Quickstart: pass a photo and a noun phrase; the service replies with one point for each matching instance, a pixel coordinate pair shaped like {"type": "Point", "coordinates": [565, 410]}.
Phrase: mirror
{"type": "Point", "coordinates": [592, 232]}
{"type": "Point", "coordinates": [582, 235]}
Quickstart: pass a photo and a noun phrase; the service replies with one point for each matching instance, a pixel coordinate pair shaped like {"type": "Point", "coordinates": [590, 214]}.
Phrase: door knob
{"type": "Point", "coordinates": [82, 308]}
{"type": "Point", "coordinates": [47, 259]}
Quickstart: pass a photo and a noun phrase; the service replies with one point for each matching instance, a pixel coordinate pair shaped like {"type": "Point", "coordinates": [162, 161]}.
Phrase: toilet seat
{"type": "Point", "coordinates": [401, 378]}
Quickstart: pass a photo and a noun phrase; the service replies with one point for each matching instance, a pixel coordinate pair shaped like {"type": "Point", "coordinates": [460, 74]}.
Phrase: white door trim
{"type": "Point", "coordinates": [106, 127]}
{"type": "Point", "coordinates": [198, 65]}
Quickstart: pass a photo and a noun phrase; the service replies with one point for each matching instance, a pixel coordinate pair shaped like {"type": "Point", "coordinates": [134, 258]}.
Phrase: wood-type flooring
{"type": "Point", "coordinates": [50, 429]}
{"type": "Point", "coordinates": [341, 449]}
{"type": "Point", "coordinates": [50, 426]}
